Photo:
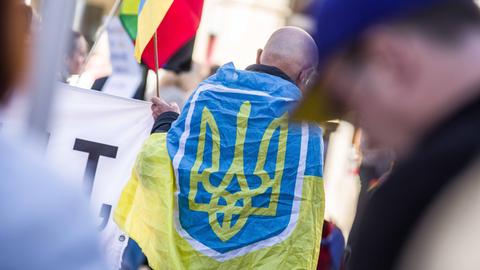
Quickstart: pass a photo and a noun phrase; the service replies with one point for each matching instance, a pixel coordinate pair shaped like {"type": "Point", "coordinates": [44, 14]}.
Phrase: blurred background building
{"type": "Point", "coordinates": [231, 30]}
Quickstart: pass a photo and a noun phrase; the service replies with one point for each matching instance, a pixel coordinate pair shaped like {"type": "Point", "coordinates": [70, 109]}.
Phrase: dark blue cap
{"type": "Point", "coordinates": [341, 21]}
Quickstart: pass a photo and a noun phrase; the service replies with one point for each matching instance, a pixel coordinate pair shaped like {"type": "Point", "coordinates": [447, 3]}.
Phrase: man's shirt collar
{"type": "Point", "coordinates": [270, 70]}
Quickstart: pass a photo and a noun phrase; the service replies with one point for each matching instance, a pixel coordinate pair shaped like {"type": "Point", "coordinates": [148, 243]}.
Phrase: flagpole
{"type": "Point", "coordinates": [101, 30]}
{"type": "Point", "coordinates": [155, 45]}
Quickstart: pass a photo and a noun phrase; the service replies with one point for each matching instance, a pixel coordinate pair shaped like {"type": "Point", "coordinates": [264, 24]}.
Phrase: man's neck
{"type": "Point", "coordinates": [272, 70]}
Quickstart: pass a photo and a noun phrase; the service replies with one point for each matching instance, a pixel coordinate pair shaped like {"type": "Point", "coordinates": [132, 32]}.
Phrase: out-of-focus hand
{"type": "Point", "coordinates": [160, 106]}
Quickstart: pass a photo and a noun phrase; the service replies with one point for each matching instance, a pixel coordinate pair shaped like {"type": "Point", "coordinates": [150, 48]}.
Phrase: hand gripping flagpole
{"type": "Point", "coordinates": [155, 45]}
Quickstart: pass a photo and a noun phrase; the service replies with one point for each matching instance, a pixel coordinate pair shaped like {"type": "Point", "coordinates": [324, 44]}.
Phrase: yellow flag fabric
{"type": "Point", "coordinates": [233, 184]}
{"type": "Point", "coordinates": [150, 16]}
{"type": "Point", "coordinates": [146, 212]}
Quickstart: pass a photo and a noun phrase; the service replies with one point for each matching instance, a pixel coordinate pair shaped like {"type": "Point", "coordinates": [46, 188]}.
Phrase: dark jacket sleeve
{"type": "Point", "coordinates": [163, 123]}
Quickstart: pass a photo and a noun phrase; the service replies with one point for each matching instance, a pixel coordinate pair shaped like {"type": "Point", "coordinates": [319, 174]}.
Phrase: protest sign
{"type": "Point", "coordinates": [126, 73]}
{"type": "Point", "coordinates": [94, 139]}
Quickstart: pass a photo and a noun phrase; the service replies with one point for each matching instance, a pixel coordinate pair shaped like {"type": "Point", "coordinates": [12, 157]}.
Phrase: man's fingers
{"type": "Point", "coordinates": [160, 106]}
{"type": "Point", "coordinates": [158, 101]}
{"type": "Point", "coordinates": [175, 107]}
{"type": "Point", "coordinates": [155, 100]}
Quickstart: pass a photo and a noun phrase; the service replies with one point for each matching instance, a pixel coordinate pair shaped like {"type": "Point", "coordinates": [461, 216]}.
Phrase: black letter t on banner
{"type": "Point", "coordinates": [94, 150]}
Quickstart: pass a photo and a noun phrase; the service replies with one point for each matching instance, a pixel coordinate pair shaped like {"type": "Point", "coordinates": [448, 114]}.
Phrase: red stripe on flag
{"type": "Point", "coordinates": [177, 28]}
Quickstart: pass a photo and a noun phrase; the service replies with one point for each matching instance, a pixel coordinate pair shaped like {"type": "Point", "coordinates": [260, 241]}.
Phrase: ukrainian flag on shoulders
{"type": "Point", "coordinates": [233, 184]}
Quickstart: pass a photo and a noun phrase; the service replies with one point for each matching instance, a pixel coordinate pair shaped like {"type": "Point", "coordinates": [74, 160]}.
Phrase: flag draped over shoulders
{"type": "Point", "coordinates": [233, 184]}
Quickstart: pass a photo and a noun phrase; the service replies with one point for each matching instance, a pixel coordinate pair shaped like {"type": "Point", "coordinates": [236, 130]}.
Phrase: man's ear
{"type": "Point", "coordinates": [305, 77]}
{"type": "Point", "coordinates": [259, 56]}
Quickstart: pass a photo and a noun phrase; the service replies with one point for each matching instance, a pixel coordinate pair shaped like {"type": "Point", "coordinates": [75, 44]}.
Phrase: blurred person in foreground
{"type": "Point", "coordinates": [43, 223]}
{"type": "Point", "coordinates": [409, 70]}
{"type": "Point", "coordinates": [238, 164]}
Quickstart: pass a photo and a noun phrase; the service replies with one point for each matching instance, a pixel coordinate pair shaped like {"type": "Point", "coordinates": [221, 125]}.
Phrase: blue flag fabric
{"type": "Point", "coordinates": [233, 185]}
{"type": "Point", "coordinates": [235, 192]}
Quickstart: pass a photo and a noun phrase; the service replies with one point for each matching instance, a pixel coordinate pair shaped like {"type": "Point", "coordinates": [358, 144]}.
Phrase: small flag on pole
{"type": "Point", "coordinates": [174, 21]}
{"type": "Point", "coordinates": [181, 61]}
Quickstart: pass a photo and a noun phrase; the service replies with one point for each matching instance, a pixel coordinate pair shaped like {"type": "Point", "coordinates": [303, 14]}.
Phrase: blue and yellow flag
{"type": "Point", "coordinates": [233, 185]}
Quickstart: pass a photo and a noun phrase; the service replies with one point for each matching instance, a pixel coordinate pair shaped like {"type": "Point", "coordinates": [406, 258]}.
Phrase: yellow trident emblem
{"type": "Point", "coordinates": [227, 229]}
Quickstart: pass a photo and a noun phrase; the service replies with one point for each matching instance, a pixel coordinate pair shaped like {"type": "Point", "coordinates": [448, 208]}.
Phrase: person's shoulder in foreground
{"type": "Point", "coordinates": [391, 64]}
{"type": "Point", "coordinates": [45, 223]}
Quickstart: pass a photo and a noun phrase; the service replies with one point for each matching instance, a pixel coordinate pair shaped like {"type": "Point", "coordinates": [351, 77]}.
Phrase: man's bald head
{"type": "Point", "coordinates": [292, 50]}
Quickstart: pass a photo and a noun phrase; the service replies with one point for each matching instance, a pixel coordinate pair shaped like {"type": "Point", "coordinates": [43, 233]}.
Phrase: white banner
{"type": "Point", "coordinates": [94, 139]}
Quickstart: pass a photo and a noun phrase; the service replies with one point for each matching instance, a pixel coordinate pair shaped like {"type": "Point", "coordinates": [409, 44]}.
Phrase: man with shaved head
{"type": "Point", "coordinates": [249, 183]}
{"type": "Point", "coordinates": [293, 51]}
{"type": "Point", "coordinates": [290, 53]}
